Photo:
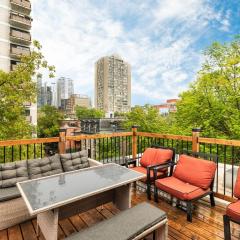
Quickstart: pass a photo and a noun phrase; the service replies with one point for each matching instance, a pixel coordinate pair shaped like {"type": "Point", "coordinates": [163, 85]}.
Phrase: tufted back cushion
{"type": "Point", "coordinates": [44, 167]}
{"type": "Point", "coordinates": [74, 161]}
{"type": "Point", "coordinates": [196, 171]}
{"type": "Point", "coordinates": [11, 173]}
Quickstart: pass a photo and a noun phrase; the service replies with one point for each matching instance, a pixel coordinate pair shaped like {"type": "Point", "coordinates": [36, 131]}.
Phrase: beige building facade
{"type": "Point", "coordinates": [77, 100]}
{"type": "Point", "coordinates": [112, 85]}
{"type": "Point", "coordinates": [15, 39]}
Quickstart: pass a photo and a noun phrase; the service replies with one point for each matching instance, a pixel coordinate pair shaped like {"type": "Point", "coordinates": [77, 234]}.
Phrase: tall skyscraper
{"type": "Point", "coordinates": [64, 89]}
{"type": "Point", "coordinates": [15, 40]}
{"type": "Point", "coordinates": [112, 85]}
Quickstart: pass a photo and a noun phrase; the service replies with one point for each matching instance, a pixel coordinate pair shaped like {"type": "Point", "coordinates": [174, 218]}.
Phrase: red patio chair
{"type": "Point", "coordinates": [233, 210]}
{"type": "Point", "coordinates": [153, 157]}
{"type": "Point", "coordinates": [191, 180]}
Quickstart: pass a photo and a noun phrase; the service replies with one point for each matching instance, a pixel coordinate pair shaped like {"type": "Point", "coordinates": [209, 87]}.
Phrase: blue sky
{"type": "Point", "coordinates": [162, 40]}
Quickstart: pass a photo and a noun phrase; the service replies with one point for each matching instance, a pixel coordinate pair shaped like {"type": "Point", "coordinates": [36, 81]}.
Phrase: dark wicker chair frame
{"type": "Point", "coordinates": [135, 162]}
{"type": "Point", "coordinates": [211, 157]}
{"type": "Point", "coordinates": [226, 223]}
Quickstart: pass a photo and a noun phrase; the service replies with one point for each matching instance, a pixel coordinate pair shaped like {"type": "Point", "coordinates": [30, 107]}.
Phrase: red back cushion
{"type": "Point", "coordinates": [162, 156]}
{"type": "Point", "coordinates": [198, 172]}
{"type": "Point", "coordinates": [153, 156]}
{"type": "Point", "coordinates": [237, 185]}
{"type": "Point", "coordinates": [147, 157]}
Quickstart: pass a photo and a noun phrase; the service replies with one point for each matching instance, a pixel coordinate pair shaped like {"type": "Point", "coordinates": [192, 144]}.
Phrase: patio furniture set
{"type": "Point", "coordinates": [63, 185]}
{"type": "Point", "coordinates": [188, 180]}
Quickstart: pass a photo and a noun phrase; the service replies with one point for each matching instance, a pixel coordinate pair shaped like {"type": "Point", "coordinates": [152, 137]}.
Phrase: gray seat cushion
{"type": "Point", "coordinates": [9, 193]}
{"type": "Point", "coordinates": [11, 173]}
{"type": "Point", "coordinates": [44, 167]}
{"type": "Point", "coordinates": [74, 161]}
{"type": "Point", "coordinates": [125, 225]}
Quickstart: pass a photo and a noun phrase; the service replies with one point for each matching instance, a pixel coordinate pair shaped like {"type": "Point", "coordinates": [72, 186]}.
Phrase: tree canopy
{"type": "Point", "coordinates": [147, 118]}
{"type": "Point", "coordinates": [49, 121]}
{"type": "Point", "coordinates": [213, 100]}
{"type": "Point", "coordinates": [16, 88]}
{"type": "Point", "coordinates": [83, 112]}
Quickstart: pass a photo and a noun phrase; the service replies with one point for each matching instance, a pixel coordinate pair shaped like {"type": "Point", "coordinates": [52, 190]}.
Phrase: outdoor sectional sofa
{"type": "Point", "coordinates": [12, 207]}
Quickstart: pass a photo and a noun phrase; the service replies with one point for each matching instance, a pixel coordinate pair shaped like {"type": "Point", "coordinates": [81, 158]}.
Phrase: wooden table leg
{"type": "Point", "coordinates": [48, 223]}
{"type": "Point", "coordinates": [122, 197]}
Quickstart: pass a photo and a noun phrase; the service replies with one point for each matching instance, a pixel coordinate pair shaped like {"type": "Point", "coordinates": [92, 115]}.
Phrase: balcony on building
{"type": "Point", "coordinates": [20, 37]}
{"type": "Point", "coordinates": [23, 6]}
{"type": "Point", "coordinates": [17, 52]}
{"type": "Point", "coordinates": [20, 20]}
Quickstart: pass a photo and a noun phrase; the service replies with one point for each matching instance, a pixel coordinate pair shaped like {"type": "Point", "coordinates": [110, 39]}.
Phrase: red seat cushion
{"type": "Point", "coordinates": [154, 156]}
{"type": "Point", "coordinates": [237, 185]}
{"type": "Point", "coordinates": [144, 171]}
{"type": "Point", "coordinates": [198, 172]}
{"type": "Point", "coordinates": [233, 211]}
{"type": "Point", "coordinates": [179, 189]}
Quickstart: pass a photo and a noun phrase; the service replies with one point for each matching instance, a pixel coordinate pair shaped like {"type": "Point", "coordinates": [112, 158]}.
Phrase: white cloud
{"type": "Point", "coordinates": [159, 44]}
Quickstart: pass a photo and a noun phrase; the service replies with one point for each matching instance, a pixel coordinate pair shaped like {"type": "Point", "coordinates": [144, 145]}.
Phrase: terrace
{"type": "Point", "coordinates": [117, 147]}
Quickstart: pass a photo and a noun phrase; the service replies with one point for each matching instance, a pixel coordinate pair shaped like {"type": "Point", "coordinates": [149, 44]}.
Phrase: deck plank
{"type": "Point", "coordinates": [14, 233]}
{"type": "Point", "coordinates": [207, 222]}
{"type": "Point", "coordinates": [28, 231]}
{"type": "Point", "coordinates": [67, 227]}
{"type": "Point", "coordinates": [78, 223]}
{"type": "Point", "coordinates": [91, 217]}
{"type": "Point", "coordinates": [3, 235]}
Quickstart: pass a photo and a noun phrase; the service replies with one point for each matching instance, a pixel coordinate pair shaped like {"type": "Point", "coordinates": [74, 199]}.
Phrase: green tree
{"type": "Point", "coordinates": [119, 114]}
{"type": "Point", "coordinates": [49, 119]}
{"type": "Point", "coordinates": [213, 100]}
{"type": "Point", "coordinates": [147, 118]}
{"type": "Point", "coordinates": [16, 88]}
{"type": "Point", "coordinates": [83, 112]}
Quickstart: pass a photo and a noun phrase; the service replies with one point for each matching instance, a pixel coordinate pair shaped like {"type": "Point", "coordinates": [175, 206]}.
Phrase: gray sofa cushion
{"type": "Point", "coordinates": [11, 173]}
{"type": "Point", "coordinates": [9, 194]}
{"type": "Point", "coordinates": [44, 167]}
{"type": "Point", "coordinates": [74, 161]}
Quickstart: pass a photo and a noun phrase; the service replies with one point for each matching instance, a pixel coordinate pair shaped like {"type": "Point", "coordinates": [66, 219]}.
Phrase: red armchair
{"type": "Point", "coordinates": [153, 157]}
{"type": "Point", "coordinates": [191, 180]}
{"type": "Point", "coordinates": [233, 210]}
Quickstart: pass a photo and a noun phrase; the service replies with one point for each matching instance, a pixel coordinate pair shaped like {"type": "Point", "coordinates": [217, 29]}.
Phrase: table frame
{"type": "Point", "coordinates": [48, 217]}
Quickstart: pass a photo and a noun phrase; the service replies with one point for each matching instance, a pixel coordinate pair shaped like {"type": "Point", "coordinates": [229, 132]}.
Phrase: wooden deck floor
{"type": "Point", "coordinates": [207, 222]}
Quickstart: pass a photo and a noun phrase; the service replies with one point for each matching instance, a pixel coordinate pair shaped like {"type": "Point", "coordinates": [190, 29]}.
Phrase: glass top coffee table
{"type": "Point", "coordinates": [59, 196]}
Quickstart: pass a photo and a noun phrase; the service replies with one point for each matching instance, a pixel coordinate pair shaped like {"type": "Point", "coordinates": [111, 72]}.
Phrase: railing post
{"type": "Point", "coordinates": [195, 136]}
{"type": "Point", "coordinates": [62, 141]}
{"type": "Point", "coordinates": [134, 141]}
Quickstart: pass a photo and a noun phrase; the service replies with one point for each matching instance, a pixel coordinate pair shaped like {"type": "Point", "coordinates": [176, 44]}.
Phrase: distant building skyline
{"type": "Point", "coordinates": [112, 85]}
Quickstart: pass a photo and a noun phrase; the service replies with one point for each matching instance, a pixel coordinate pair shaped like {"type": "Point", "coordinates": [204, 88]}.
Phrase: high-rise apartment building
{"type": "Point", "coordinates": [64, 90]}
{"type": "Point", "coordinates": [112, 85]}
{"type": "Point", "coordinates": [15, 39]}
